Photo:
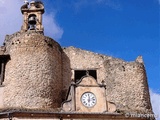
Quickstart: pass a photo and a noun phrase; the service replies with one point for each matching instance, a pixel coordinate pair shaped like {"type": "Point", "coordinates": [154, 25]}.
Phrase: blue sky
{"type": "Point", "coordinates": [120, 28]}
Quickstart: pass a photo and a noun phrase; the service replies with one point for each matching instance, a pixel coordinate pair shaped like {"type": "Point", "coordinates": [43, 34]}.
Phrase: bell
{"type": "Point", "coordinates": [32, 20]}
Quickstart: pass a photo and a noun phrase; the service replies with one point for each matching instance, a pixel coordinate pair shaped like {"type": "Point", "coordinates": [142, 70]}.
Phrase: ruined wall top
{"type": "Point", "coordinates": [17, 38]}
{"type": "Point", "coordinates": [126, 82]}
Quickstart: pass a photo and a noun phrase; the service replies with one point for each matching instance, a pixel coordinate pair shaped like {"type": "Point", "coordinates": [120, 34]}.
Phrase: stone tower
{"type": "Point", "coordinates": [41, 80]}
{"type": "Point", "coordinates": [33, 75]}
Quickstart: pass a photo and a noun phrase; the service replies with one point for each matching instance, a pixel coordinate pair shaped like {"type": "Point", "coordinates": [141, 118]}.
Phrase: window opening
{"type": "Point", "coordinates": [81, 73]}
{"type": "Point", "coordinates": [3, 61]}
{"type": "Point", "coordinates": [1, 72]}
{"type": "Point", "coordinates": [0, 68]}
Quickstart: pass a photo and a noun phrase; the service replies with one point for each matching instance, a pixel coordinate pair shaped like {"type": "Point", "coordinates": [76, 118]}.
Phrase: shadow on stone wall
{"type": "Point", "coordinates": [66, 74]}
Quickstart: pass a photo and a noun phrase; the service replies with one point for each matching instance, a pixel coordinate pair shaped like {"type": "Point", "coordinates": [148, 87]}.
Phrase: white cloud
{"type": "Point", "coordinates": [110, 3]}
{"type": "Point", "coordinates": [51, 28]}
{"type": "Point", "coordinates": [155, 100]}
{"type": "Point", "coordinates": [11, 20]}
{"type": "Point", "coordinates": [10, 17]}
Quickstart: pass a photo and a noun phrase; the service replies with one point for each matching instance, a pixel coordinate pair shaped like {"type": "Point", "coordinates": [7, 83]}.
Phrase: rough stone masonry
{"type": "Point", "coordinates": [40, 71]}
{"type": "Point", "coordinates": [36, 73]}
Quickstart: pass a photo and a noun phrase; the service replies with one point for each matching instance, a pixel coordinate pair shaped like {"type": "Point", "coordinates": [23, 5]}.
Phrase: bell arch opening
{"type": "Point", "coordinates": [32, 21]}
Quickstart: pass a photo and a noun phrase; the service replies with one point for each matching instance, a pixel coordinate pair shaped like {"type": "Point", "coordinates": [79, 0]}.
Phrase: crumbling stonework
{"type": "Point", "coordinates": [33, 75]}
{"type": "Point", "coordinates": [41, 80]}
{"type": "Point", "coordinates": [1, 98]}
{"type": "Point", "coordinates": [126, 86]}
{"type": "Point", "coordinates": [126, 82]}
{"type": "Point", "coordinates": [40, 72]}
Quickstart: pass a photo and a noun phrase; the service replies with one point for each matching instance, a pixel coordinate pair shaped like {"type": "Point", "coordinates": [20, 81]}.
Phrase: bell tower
{"type": "Point", "coordinates": [32, 16]}
{"type": "Point", "coordinates": [33, 74]}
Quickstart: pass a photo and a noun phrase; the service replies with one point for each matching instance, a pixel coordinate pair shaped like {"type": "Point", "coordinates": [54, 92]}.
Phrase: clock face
{"type": "Point", "coordinates": [88, 99]}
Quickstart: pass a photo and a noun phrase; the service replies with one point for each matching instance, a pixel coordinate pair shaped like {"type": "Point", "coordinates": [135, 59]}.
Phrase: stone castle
{"type": "Point", "coordinates": [39, 79]}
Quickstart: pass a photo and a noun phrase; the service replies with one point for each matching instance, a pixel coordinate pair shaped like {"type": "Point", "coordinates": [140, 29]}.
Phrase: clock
{"type": "Point", "coordinates": [88, 99]}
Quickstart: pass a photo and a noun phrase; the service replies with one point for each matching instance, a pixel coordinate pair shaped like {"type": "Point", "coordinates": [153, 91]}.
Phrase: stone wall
{"type": "Point", "coordinates": [2, 50]}
{"type": "Point", "coordinates": [77, 59]}
{"type": "Point", "coordinates": [1, 96]}
{"type": "Point", "coordinates": [33, 77]}
{"type": "Point", "coordinates": [40, 73]}
{"type": "Point", "coordinates": [126, 82]}
{"type": "Point", "coordinates": [127, 86]}
{"type": "Point", "coordinates": [84, 60]}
